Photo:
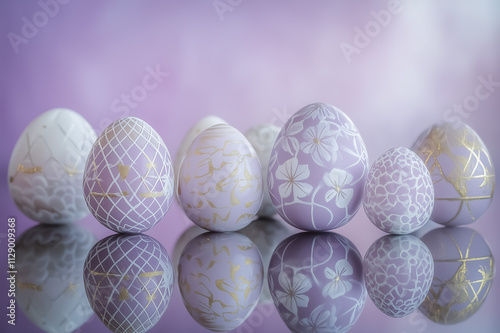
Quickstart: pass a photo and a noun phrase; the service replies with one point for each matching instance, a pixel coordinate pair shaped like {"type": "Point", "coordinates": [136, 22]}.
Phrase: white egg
{"type": "Point", "coordinates": [46, 167]}
{"type": "Point", "coordinates": [262, 138]}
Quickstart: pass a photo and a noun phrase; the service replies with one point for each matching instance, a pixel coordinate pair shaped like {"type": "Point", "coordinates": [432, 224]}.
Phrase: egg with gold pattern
{"type": "Point", "coordinates": [461, 169]}
{"type": "Point", "coordinates": [463, 274]}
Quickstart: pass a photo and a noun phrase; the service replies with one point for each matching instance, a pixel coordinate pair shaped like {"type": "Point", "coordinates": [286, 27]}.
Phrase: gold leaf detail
{"type": "Point", "coordinates": [124, 295]}
{"type": "Point", "coordinates": [123, 170]}
{"type": "Point", "coordinates": [152, 194]}
{"type": "Point", "coordinates": [151, 274]}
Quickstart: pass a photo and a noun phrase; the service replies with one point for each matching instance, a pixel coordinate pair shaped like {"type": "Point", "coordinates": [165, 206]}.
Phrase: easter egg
{"type": "Point", "coordinates": [262, 138]}
{"type": "Point", "coordinates": [193, 132]}
{"type": "Point", "coordinates": [316, 282]}
{"type": "Point", "coordinates": [46, 167]}
{"type": "Point", "coordinates": [317, 169]}
{"type": "Point", "coordinates": [220, 180]}
{"type": "Point", "coordinates": [461, 169]}
{"type": "Point", "coordinates": [398, 274]}
{"type": "Point", "coordinates": [128, 178]}
{"type": "Point", "coordinates": [49, 264]}
{"type": "Point", "coordinates": [128, 282]}
{"type": "Point", "coordinates": [220, 279]}
{"type": "Point", "coordinates": [464, 270]}
{"type": "Point", "coordinates": [399, 194]}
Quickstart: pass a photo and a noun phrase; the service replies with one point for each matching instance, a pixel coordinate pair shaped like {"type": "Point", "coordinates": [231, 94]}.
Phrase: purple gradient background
{"type": "Point", "coordinates": [263, 62]}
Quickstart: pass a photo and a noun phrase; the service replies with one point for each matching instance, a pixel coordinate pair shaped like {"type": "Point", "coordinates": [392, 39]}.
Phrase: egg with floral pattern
{"type": "Point", "coordinates": [220, 279]}
{"type": "Point", "coordinates": [316, 282]}
{"type": "Point", "coordinates": [317, 169]}
{"type": "Point", "coordinates": [220, 180]}
{"type": "Point", "coordinates": [128, 178]}
{"type": "Point", "coordinates": [398, 274]}
{"type": "Point", "coordinates": [128, 281]}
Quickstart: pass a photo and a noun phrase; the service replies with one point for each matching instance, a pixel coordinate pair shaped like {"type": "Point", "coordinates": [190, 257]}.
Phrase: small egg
{"type": "Point", "coordinates": [220, 279]}
{"type": "Point", "coordinates": [46, 167]}
{"type": "Point", "coordinates": [399, 195]}
{"type": "Point", "coordinates": [49, 264]}
{"type": "Point", "coordinates": [464, 270]}
{"type": "Point", "coordinates": [128, 177]}
{"type": "Point", "coordinates": [462, 170]}
{"type": "Point", "coordinates": [262, 138]}
{"type": "Point", "coordinates": [317, 169]}
{"type": "Point", "coordinates": [193, 132]}
{"type": "Point", "coordinates": [316, 282]}
{"type": "Point", "coordinates": [220, 180]}
{"type": "Point", "coordinates": [128, 280]}
{"type": "Point", "coordinates": [398, 274]}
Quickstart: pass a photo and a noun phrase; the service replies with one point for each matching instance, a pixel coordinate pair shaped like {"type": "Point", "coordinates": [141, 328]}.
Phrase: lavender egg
{"type": "Point", "coordinates": [462, 171]}
{"type": "Point", "coordinates": [220, 180]}
{"type": "Point", "coordinates": [128, 177]}
{"type": "Point", "coordinates": [46, 167]}
{"type": "Point", "coordinates": [50, 289]}
{"type": "Point", "coordinates": [398, 274]}
{"type": "Point", "coordinates": [399, 195]}
{"type": "Point", "coordinates": [317, 169]}
{"type": "Point", "coordinates": [316, 282]}
{"type": "Point", "coordinates": [262, 138]}
{"type": "Point", "coordinates": [128, 281]}
{"type": "Point", "coordinates": [220, 279]}
{"type": "Point", "coordinates": [464, 270]}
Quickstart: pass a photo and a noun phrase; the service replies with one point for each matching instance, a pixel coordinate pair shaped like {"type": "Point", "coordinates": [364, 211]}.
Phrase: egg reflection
{"type": "Point", "coordinates": [220, 279]}
{"type": "Point", "coordinates": [266, 234]}
{"type": "Point", "coordinates": [317, 283]}
{"type": "Point", "coordinates": [463, 274]}
{"type": "Point", "coordinates": [50, 288]}
{"type": "Point", "coordinates": [398, 274]}
{"type": "Point", "coordinates": [128, 281]}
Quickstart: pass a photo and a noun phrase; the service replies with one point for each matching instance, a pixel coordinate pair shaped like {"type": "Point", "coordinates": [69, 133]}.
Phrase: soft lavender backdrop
{"type": "Point", "coordinates": [258, 62]}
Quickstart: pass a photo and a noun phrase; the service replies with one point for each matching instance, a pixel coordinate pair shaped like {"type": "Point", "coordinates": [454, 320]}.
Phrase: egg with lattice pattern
{"type": "Point", "coordinates": [128, 177]}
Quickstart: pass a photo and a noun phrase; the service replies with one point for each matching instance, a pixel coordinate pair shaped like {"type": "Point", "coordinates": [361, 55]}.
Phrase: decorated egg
{"type": "Point", "coordinates": [128, 281]}
{"type": "Point", "coordinates": [181, 243]}
{"type": "Point", "coordinates": [46, 167]}
{"type": "Point", "coordinates": [398, 274]}
{"type": "Point", "coordinates": [220, 279]}
{"type": "Point", "coordinates": [462, 171]}
{"type": "Point", "coordinates": [220, 180]}
{"type": "Point", "coordinates": [399, 195]}
{"type": "Point", "coordinates": [49, 264]}
{"type": "Point", "coordinates": [317, 169]}
{"type": "Point", "coordinates": [316, 282]}
{"type": "Point", "coordinates": [266, 234]}
{"type": "Point", "coordinates": [193, 132]}
{"type": "Point", "coordinates": [128, 179]}
{"type": "Point", "coordinates": [262, 138]}
{"type": "Point", "coordinates": [463, 274]}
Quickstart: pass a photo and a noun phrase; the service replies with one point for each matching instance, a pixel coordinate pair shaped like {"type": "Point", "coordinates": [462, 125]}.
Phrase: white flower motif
{"type": "Point", "coordinates": [319, 321]}
{"type": "Point", "coordinates": [290, 142]}
{"type": "Point", "coordinates": [292, 298]}
{"type": "Point", "coordinates": [337, 286]}
{"type": "Point", "coordinates": [320, 143]}
{"type": "Point", "coordinates": [292, 172]}
{"type": "Point", "coordinates": [338, 179]}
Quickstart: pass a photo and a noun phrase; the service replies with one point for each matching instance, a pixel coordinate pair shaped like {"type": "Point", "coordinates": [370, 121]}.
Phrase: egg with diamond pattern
{"type": "Point", "coordinates": [128, 177]}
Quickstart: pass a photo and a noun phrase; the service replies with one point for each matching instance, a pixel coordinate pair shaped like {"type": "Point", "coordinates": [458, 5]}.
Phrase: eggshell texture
{"type": "Point", "coordinates": [317, 169]}
{"type": "Point", "coordinates": [46, 167]}
{"type": "Point", "coordinates": [462, 171]}
{"type": "Point", "coordinates": [398, 274]}
{"type": "Point", "coordinates": [128, 280]}
{"type": "Point", "coordinates": [399, 195]}
{"type": "Point", "coordinates": [193, 132]}
{"type": "Point", "coordinates": [316, 282]}
{"type": "Point", "coordinates": [220, 279]}
{"type": "Point", "coordinates": [262, 138]}
{"type": "Point", "coordinates": [49, 264]}
{"type": "Point", "coordinates": [220, 180]}
{"type": "Point", "coordinates": [128, 179]}
{"type": "Point", "coordinates": [464, 270]}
